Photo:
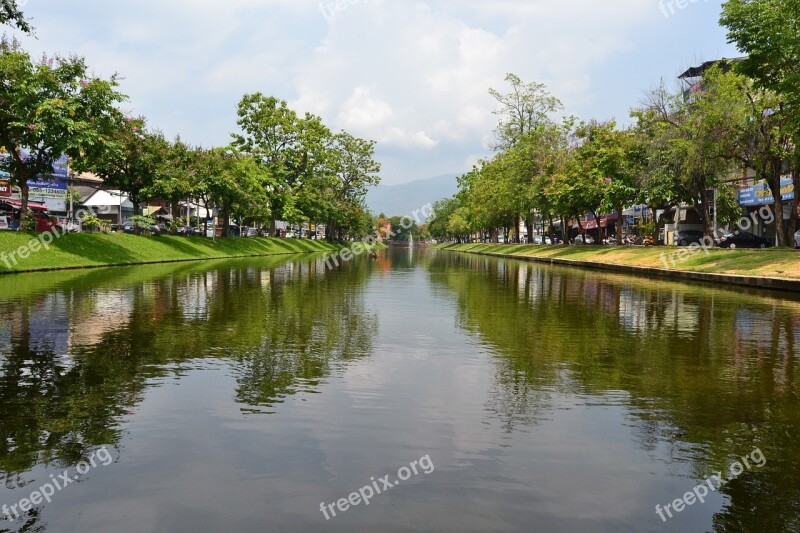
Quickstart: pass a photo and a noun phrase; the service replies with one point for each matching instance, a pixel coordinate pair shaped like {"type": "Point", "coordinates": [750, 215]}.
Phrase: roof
{"type": "Point", "coordinates": [696, 72]}
{"type": "Point", "coordinates": [86, 191]}
{"type": "Point", "coordinates": [114, 198]}
{"type": "Point", "coordinates": [31, 205]}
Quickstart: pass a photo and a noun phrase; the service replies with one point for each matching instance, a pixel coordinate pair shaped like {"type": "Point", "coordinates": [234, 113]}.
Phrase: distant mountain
{"type": "Point", "coordinates": [404, 199]}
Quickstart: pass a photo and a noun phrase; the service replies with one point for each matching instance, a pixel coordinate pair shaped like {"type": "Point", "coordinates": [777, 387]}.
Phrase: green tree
{"type": "Point", "coordinates": [235, 183]}
{"type": "Point", "coordinates": [767, 31]}
{"type": "Point", "coordinates": [11, 15]}
{"type": "Point", "coordinates": [354, 170]}
{"type": "Point", "coordinates": [271, 132]}
{"type": "Point", "coordinates": [438, 223]}
{"type": "Point", "coordinates": [133, 162]}
{"type": "Point", "coordinates": [617, 159]}
{"type": "Point", "coordinates": [523, 109]}
{"type": "Point", "coordinates": [177, 179]}
{"type": "Point", "coordinates": [697, 138]}
{"type": "Point", "coordinates": [50, 109]}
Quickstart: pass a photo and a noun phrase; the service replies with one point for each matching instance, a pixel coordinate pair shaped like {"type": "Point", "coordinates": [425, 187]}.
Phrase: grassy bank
{"type": "Point", "coordinates": [759, 263]}
{"type": "Point", "coordinates": [94, 249]}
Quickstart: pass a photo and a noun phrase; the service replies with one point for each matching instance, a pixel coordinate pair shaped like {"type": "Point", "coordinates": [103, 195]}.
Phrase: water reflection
{"type": "Point", "coordinates": [240, 394]}
{"type": "Point", "coordinates": [79, 352]}
{"type": "Point", "coordinates": [708, 373]}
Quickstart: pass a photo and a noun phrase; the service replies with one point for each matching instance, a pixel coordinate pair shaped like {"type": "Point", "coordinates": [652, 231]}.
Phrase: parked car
{"type": "Point", "coordinates": [743, 239]}
{"type": "Point", "coordinates": [183, 230]}
{"type": "Point", "coordinates": [797, 240]}
{"type": "Point", "coordinates": [583, 239]}
{"type": "Point", "coordinates": [689, 237]}
{"type": "Point", "coordinates": [128, 227]}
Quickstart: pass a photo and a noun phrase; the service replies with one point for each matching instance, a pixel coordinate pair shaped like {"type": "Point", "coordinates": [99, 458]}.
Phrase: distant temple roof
{"type": "Point", "coordinates": [696, 72]}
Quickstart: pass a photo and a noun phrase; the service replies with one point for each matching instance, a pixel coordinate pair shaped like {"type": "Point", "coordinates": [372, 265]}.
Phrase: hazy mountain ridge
{"type": "Point", "coordinates": [404, 199]}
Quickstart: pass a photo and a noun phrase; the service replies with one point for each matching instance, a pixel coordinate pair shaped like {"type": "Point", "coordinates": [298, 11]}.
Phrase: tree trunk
{"type": "Point", "coordinates": [135, 201]}
{"type": "Point", "coordinates": [656, 225]}
{"type": "Point", "coordinates": [330, 230]}
{"type": "Point", "coordinates": [175, 208]}
{"type": "Point", "coordinates": [24, 194]}
{"type": "Point", "coordinates": [597, 221]}
{"type": "Point", "coordinates": [273, 225]}
{"type": "Point", "coordinates": [226, 221]}
{"type": "Point", "coordinates": [531, 225]}
{"type": "Point", "coordinates": [780, 226]}
{"type": "Point", "coordinates": [618, 231]}
{"type": "Point", "coordinates": [795, 202]}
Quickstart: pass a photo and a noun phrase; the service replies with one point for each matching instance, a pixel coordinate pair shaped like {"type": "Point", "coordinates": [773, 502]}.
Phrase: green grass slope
{"type": "Point", "coordinates": [96, 249]}
{"type": "Point", "coordinates": [774, 263]}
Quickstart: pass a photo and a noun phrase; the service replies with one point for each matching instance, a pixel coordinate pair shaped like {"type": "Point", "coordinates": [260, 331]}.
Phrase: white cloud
{"type": "Point", "coordinates": [362, 113]}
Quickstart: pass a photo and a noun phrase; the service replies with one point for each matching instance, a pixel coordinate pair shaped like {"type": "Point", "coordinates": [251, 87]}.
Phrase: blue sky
{"type": "Point", "coordinates": [412, 75]}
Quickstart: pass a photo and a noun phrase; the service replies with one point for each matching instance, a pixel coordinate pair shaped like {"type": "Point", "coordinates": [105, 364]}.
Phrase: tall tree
{"type": "Point", "coordinates": [50, 109]}
{"type": "Point", "coordinates": [523, 109]}
{"type": "Point", "coordinates": [132, 162]}
{"type": "Point", "coordinates": [236, 184]}
{"type": "Point", "coordinates": [271, 132]}
{"type": "Point", "coordinates": [176, 180]}
{"type": "Point", "coordinates": [768, 31]}
{"type": "Point", "coordinates": [354, 170]}
{"type": "Point", "coordinates": [697, 137]}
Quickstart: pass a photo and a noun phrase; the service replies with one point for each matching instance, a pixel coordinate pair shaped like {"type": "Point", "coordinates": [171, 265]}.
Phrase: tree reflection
{"type": "Point", "coordinates": [79, 356]}
{"type": "Point", "coordinates": [708, 371]}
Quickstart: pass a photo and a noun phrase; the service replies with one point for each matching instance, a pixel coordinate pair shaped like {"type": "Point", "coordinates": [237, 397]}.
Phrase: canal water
{"type": "Point", "coordinates": [268, 395]}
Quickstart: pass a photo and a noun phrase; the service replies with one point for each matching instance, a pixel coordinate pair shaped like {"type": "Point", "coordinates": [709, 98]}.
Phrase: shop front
{"type": "Point", "coordinates": [752, 199]}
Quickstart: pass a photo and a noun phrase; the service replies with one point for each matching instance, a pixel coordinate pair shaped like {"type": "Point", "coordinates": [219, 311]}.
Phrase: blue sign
{"type": "Point", "coordinates": [761, 194]}
{"type": "Point", "coordinates": [56, 181]}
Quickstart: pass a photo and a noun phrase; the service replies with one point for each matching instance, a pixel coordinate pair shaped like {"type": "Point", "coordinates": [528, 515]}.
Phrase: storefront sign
{"type": "Point", "coordinates": [54, 186]}
{"type": "Point", "coordinates": [5, 188]}
{"type": "Point", "coordinates": [761, 194]}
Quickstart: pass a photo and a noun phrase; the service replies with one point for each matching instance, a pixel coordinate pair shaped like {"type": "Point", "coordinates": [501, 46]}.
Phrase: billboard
{"type": "Point", "coordinates": [54, 186]}
{"type": "Point", "coordinates": [761, 194]}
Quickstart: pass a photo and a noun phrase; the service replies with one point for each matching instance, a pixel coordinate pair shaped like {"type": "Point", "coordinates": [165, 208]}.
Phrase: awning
{"type": "Point", "coordinates": [16, 203]}
{"type": "Point", "coordinates": [151, 210]}
{"type": "Point", "coordinates": [592, 224]}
